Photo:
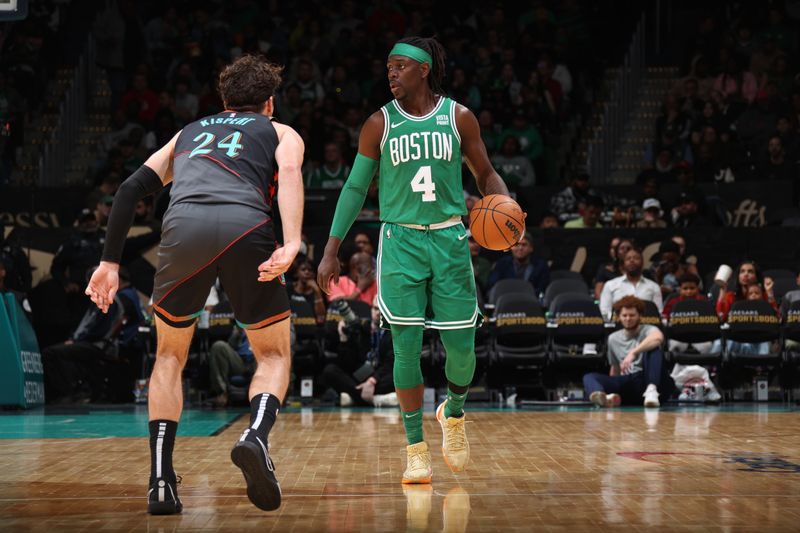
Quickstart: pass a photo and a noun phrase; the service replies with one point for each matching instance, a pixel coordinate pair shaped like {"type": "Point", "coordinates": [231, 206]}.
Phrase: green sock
{"type": "Point", "coordinates": [412, 421]}
{"type": "Point", "coordinates": [455, 404]}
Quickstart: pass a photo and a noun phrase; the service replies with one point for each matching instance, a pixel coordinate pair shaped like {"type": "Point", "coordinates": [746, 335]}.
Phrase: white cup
{"type": "Point", "coordinates": [723, 275]}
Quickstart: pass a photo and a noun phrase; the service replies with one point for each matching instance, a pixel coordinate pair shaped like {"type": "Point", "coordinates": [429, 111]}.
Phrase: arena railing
{"type": "Point", "coordinates": [56, 152]}
{"type": "Point", "coordinates": [617, 107]}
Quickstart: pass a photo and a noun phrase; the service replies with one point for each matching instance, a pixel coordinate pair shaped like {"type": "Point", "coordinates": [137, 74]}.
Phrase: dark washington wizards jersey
{"type": "Point", "coordinates": [227, 158]}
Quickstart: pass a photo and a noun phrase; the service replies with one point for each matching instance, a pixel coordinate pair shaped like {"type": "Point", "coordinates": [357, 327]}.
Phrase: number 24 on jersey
{"type": "Point", "coordinates": [230, 144]}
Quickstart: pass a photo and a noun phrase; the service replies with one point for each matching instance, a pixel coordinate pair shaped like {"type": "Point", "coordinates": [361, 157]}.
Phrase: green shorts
{"type": "Point", "coordinates": [425, 277]}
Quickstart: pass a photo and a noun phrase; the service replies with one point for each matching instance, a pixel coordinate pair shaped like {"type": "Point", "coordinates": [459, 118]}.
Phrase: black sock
{"type": "Point", "coordinates": [162, 442]}
{"type": "Point", "coordinates": [263, 412]}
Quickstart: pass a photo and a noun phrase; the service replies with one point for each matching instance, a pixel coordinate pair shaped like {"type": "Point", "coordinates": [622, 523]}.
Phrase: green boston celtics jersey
{"type": "Point", "coordinates": [420, 170]}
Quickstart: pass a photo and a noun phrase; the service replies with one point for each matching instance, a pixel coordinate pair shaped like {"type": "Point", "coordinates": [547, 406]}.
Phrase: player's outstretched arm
{"type": "Point", "coordinates": [289, 156]}
{"type": "Point", "coordinates": [351, 200]}
{"type": "Point", "coordinates": [487, 179]}
{"type": "Point", "coordinates": [147, 179]}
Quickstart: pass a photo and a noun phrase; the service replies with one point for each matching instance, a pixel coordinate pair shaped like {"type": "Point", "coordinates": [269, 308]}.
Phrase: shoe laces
{"type": "Point", "coordinates": [416, 461]}
{"type": "Point", "coordinates": [178, 479]}
{"type": "Point", "coordinates": [456, 436]}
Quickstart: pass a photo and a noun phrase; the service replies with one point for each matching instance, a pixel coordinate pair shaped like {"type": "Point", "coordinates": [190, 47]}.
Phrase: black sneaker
{"type": "Point", "coordinates": [251, 456]}
{"type": "Point", "coordinates": [162, 498]}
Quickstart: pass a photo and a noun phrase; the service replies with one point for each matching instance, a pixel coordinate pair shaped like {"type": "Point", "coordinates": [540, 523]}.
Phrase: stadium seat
{"type": "Point", "coordinates": [561, 286]}
{"type": "Point", "coordinates": [221, 321]}
{"type": "Point", "coordinates": [652, 315]}
{"type": "Point", "coordinates": [520, 330]}
{"type": "Point", "coordinates": [578, 335]}
{"type": "Point", "coordinates": [306, 349]}
{"type": "Point", "coordinates": [752, 322]}
{"type": "Point", "coordinates": [791, 333]}
{"type": "Point", "coordinates": [556, 275]}
{"type": "Point", "coordinates": [567, 296]}
{"type": "Point", "coordinates": [693, 322]}
{"type": "Point", "coordinates": [782, 286]}
{"type": "Point", "coordinates": [509, 286]}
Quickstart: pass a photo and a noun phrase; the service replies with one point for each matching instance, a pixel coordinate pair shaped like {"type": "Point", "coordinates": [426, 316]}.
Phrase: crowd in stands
{"type": "Point", "coordinates": [733, 115]}
{"type": "Point", "coordinates": [521, 70]}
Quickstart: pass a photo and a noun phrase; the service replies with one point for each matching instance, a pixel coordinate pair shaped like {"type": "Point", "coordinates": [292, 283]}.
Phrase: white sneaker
{"type": "Point", "coordinates": [345, 400]}
{"type": "Point", "coordinates": [713, 396]}
{"type": "Point", "coordinates": [385, 400]}
{"type": "Point", "coordinates": [651, 396]}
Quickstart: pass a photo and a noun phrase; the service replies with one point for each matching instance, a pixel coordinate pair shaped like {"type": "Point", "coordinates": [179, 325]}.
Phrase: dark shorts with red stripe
{"type": "Point", "coordinates": [200, 243]}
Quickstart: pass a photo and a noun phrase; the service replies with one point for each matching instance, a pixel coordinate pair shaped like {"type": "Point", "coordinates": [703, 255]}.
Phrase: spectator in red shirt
{"type": "Point", "coordinates": [143, 97]}
{"type": "Point", "coordinates": [749, 274]}
{"type": "Point", "coordinates": [689, 290]}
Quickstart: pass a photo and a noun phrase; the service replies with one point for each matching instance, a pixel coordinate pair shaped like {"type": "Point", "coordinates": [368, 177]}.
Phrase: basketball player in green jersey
{"type": "Point", "coordinates": [425, 278]}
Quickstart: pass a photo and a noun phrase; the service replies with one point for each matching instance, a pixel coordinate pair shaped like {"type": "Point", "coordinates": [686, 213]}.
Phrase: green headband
{"type": "Point", "coordinates": [414, 52]}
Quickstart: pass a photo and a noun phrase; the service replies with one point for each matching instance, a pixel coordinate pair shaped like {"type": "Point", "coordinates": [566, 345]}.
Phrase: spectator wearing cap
{"type": "Point", "coordinates": [632, 282]}
{"type": "Point", "coordinates": [522, 264]}
{"type": "Point", "coordinates": [565, 203]}
{"type": "Point", "coordinates": [651, 215]}
{"type": "Point", "coordinates": [591, 209]}
{"type": "Point", "coordinates": [686, 213]}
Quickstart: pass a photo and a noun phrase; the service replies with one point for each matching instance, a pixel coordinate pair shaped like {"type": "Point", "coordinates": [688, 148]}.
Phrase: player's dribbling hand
{"type": "Point", "coordinates": [104, 284]}
{"type": "Point", "coordinates": [328, 268]}
{"type": "Point", "coordinates": [278, 263]}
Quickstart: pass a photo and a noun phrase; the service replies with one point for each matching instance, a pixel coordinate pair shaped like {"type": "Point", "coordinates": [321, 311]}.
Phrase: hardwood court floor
{"type": "Point", "coordinates": [692, 469]}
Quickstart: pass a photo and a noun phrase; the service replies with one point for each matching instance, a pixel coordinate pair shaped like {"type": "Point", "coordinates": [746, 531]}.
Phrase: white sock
{"type": "Point", "coordinates": [651, 388]}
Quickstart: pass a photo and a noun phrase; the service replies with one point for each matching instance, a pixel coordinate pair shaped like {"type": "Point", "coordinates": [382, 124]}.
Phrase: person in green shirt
{"type": "Point", "coordinates": [530, 141]}
{"type": "Point", "coordinates": [332, 173]}
{"type": "Point", "coordinates": [591, 210]}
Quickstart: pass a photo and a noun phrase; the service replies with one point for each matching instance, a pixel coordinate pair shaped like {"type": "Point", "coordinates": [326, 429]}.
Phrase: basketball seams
{"type": "Point", "coordinates": [494, 210]}
{"type": "Point", "coordinates": [500, 230]}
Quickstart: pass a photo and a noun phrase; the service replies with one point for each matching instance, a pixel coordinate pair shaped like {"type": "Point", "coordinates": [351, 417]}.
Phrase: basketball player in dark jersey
{"type": "Point", "coordinates": [224, 171]}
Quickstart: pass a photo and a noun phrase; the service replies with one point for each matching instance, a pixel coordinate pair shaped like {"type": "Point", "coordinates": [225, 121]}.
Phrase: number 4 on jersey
{"type": "Point", "coordinates": [423, 182]}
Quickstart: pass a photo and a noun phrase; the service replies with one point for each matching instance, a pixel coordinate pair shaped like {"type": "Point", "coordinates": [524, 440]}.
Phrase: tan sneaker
{"type": "Point", "coordinates": [418, 464]}
{"type": "Point", "coordinates": [455, 447]}
{"type": "Point", "coordinates": [598, 398]}
{"type": "Point", "coordinates": [418, 506]}
{"type": "Point", "coordinates": [601, 399]}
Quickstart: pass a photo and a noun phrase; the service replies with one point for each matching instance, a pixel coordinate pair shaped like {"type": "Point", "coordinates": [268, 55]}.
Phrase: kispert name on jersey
{"type": "Point", "coordinates": [227, 120]}
{"type": "Point", "coordinates": [420, 165]}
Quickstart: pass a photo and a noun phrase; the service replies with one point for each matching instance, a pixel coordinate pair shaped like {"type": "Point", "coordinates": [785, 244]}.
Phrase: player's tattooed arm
{"type": "Point", "coordinates": [487, 179]}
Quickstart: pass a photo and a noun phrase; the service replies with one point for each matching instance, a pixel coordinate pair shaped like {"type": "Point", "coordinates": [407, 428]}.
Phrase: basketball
{"type": "Point", "coordinates": [497, 222]}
